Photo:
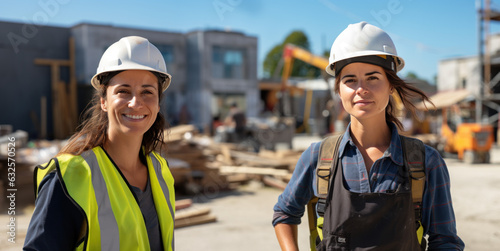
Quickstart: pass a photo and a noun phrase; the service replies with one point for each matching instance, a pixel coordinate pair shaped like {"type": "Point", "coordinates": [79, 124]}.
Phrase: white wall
{"type": "Point", "coordinates": [459, 73]}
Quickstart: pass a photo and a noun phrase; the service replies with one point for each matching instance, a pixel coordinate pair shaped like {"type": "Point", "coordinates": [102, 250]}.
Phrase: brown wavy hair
{"type": "Point", "coordinates": [92, 131]}
{"type": "Point", "coordinates": [406, 93]}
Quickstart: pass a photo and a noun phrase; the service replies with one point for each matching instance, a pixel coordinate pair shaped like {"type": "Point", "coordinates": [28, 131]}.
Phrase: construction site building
{"type": "Point", "coordinates": [210, 70]}
{"type": "Point", "coordinates": [222, 70]}
{"type": "Point", "coordinates": [22, 82]}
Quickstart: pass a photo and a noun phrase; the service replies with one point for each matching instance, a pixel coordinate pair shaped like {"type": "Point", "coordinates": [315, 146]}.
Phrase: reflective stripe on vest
{"type": "Point", "coordinates": [110, 237]}
{"type": "Point", "coordinates": [114, 218]}
{"type": "Point", "coordinates": [157, 176]}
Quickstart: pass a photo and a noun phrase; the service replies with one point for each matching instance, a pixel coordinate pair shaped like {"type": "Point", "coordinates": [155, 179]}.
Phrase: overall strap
{"type": "Point", "coordinates": [327, 164]}
{"type": "Point", "coordinates": [325, 167]}
{"type": "Point", "coordinates": [414, 159]}
{"type": "Point", "coordinates": [414, 154]}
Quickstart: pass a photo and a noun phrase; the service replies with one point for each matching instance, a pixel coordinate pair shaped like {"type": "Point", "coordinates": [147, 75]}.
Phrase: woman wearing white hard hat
{"type": "Point", "coordinates": [108, 189]}
{"type": "Point", "coordinates": [377, 190]}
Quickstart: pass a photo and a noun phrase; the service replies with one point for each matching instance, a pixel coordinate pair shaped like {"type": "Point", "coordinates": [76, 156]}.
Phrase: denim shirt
{"type": "Point", "coordinates": [438, 217]}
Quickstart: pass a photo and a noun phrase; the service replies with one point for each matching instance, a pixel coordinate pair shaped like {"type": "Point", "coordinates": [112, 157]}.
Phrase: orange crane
{"type": "Point", "coordinates": [290, 53]}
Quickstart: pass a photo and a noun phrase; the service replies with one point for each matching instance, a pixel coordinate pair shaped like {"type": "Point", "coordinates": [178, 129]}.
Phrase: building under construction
{"type": "Point", "coordinates": [47, 69]}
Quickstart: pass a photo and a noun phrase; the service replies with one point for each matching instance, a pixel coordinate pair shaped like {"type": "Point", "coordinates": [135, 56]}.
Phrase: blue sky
{"type": "Point", "coordinates": [424, 31]}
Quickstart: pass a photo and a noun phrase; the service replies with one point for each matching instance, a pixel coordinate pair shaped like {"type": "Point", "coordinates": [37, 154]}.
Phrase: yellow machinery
{"type": "Point", "coordinates": [290, 53]}
{"type": "Point", "coordinates": [471, 141]}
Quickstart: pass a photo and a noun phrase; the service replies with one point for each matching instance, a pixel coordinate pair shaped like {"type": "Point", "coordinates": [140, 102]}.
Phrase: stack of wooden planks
{"type": "Point", "coordinates": [210, 166]}
{"type": "Point", "coordinates": [188, 156]}
{"type": "Point", "coordinates": [188, 215]}
{"type": "Point", "coordinates": [22, 165]}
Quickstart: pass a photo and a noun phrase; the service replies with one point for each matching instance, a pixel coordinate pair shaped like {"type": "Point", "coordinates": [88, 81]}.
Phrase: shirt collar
{"type": "Point", "coordinates": [394, 151]}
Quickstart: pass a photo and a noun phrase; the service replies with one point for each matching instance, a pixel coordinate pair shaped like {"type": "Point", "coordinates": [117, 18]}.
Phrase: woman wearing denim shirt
{"type": "Point", "coordinates": [365, 62]}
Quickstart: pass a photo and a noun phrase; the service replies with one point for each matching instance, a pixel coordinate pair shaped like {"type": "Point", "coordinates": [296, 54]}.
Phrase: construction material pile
{"type": "Point", "coordinates": [201, 165]}
{"type": "Point", "coordinates": [18, 158]}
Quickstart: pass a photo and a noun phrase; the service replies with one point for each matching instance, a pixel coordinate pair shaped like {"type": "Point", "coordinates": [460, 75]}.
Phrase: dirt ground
{"type": "Point", "coordinates": [244, 215]}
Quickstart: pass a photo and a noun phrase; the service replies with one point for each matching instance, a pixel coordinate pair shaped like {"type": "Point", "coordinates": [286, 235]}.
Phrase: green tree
{"type": "Point", "coordinates": [326, 53]}
{"type": "Point", "coordinates": [300, 69]}
{"type": "Point", "coordinates": [412, 75]}
{"type": "Point", "coordinates": [272, 60]}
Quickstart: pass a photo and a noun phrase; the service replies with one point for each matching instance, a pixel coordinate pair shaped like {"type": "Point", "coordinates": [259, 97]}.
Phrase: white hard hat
{"type": "Point", "coordinates": [132, 53]}
{"type": "Point", "coordinates": [360, 40]}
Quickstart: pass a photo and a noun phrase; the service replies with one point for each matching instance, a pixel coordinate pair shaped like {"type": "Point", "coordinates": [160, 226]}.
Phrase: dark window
{"type": "Point", "coordinates": [228, 63]}
{"type": "Point", "coordinates": [167, 51]}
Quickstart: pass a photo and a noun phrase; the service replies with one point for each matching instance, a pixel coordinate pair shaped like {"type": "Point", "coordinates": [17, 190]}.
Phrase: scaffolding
{"type": "Point", "coordinates": [487, 94]}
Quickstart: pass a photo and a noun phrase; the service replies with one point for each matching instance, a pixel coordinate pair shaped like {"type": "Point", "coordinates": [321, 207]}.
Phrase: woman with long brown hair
{"type": "Point", "coordinates": [108, 189]}
{"type": "Point", "coordinates": [365, 194]}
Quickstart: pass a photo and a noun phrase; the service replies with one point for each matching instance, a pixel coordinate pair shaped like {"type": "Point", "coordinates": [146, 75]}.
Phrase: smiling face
{"type": "Point", "coordinates": [131, 102]}
{"type": "Point", "coordinates": [364, 90]}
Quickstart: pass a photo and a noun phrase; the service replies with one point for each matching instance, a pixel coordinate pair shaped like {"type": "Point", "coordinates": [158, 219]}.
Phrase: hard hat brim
{"type": "Point", "coordinates": [330, 69]}
{"type": "Point", "coordinates": [131, 66]}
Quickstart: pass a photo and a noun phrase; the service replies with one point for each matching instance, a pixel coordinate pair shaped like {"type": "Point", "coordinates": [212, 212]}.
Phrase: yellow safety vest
{"type": "Point", "coordinates": [112, 215]}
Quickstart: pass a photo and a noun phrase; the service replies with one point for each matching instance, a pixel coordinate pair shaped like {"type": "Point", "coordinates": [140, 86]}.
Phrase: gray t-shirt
{"type": "Point", "coordinates": [147, 205]}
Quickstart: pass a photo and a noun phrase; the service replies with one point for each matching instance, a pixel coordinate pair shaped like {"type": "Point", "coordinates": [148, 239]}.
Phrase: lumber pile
{"type": "Point", "coordinates": [27, 156]}
{"type": "Point", "coordinates": [188, 156]}
{"type": "Point", "coordinates": [239, 167]}
{"type": "Point", "coordinates": [188, 215]}
{"type": "Point", "coordinates": [201, 165]}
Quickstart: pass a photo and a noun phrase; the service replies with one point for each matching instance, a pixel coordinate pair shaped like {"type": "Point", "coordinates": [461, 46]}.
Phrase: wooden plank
{"type": "Point", "coordinates": [226, 153]}
{"type": "Point", "coordinates": [73, 97]}
{"type": "Point", "coordinates": [252, 170]}
{"type": "Point", "coordinates": [217, 146]}
{"type": "Point", "coordinates": [237, 178]}
{"type": "Point", "coordinates": [182, 204]}
{"type": "Point", "coordinates": [52, 62]}
{"type": "Point", "coordinates": [281, 154]}
{"type": "Point", "coordinates": [181, 129]}
{"type": "Point", "coordinates": [273, 182]}
{"type": "Point", "coordinates": [255, 159]}
{"type": "Point", "coordinates": [56, 112]}
{"type": "Point", "coordinates": [172, 137]}
{"type": "Point", "coordinates": [195, 220]}
{"type": "Point", "coordinates": [186, 156]}
{"type": "Point", "coordinates": [282, 166]}
{"type": "Point", "coordinates": [177, 132]}
{"type": "Point", "coordinates": [43, 117]}
{"type": "Point", "coordinates": [191, 212]}
{"type": "Point", "coordinates": [268, 154]}
{"type": "Point", "coordinates": [64, 109]}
